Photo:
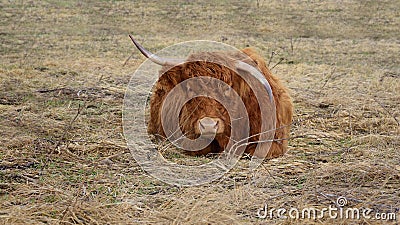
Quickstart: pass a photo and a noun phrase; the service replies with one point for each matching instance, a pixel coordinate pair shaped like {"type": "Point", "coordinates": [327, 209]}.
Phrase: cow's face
{"type": "Point", "coordinates": [204, 116]}
{"type": "Point", "coordinates": [205, 113]}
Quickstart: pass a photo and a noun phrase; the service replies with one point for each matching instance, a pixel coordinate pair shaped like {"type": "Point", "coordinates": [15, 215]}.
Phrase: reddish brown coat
{"type": "Point", "coordinates": [209, 107]}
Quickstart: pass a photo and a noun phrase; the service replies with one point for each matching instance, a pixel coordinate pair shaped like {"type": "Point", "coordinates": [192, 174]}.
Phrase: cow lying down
{"type": "Point", "coordinates": [206, 116]}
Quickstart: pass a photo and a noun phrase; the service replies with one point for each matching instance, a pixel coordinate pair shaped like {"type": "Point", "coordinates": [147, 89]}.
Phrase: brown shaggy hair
{"type": "Point", "coordinates": [200, 107]}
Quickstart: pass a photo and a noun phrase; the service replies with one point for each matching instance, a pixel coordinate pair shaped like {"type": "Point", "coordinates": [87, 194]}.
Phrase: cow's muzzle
{"type": "Point", "coordinates": [208, 126]}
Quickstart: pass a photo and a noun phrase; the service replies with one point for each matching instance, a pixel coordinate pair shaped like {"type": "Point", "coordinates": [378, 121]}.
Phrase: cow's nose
{"type": "Point", "coordinates": [209, 125]}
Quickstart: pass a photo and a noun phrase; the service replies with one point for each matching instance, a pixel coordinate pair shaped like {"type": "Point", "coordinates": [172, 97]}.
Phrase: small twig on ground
{"type": "Point", "coordinates": [53, 90]}
{"type": "Point", "coordinates": [276, 196]}
{"type": "Point", "coordinates": [280, 60]}
{"type": "Point", "coordinates": [69, 126]}
{"type": "Point", "coordinates": [126, 61]}
{"type": "Point", "coordinates": [328, 78]}
{"type": "Point", "coordinates": [273, 53]}
{"type": "Point", "coordinates": [291, 45]}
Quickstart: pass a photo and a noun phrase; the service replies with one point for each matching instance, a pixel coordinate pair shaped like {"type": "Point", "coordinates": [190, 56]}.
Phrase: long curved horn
{"type": "Point", "coordinates": [257, 74]}
{"type": "Point", "coordinates": [154, 58]}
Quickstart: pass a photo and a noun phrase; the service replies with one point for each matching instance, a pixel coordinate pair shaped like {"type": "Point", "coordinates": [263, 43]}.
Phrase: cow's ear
{"type": "Point", "coordinates": [255, 57]}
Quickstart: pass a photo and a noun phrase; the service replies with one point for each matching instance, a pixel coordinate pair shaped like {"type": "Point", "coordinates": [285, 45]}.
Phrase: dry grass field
{"type": "Point", "coordinates": [63, 156]}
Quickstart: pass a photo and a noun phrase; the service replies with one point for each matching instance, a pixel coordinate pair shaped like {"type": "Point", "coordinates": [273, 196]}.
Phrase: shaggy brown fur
{"type": "Point", "coordinates": [202, 106]}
